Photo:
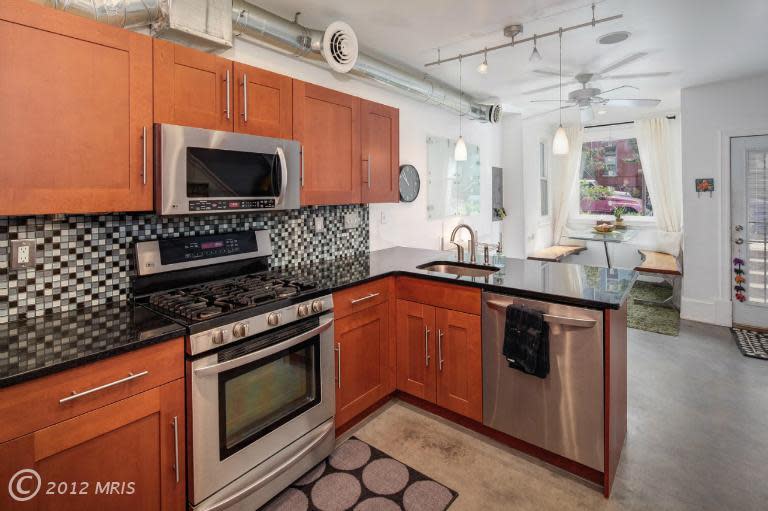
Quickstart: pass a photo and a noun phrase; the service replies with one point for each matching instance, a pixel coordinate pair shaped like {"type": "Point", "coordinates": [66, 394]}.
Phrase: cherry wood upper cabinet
{"type": "Point", "coordinates": [459, 364]}
{"type": "Point", "coordinates": [327, 123]}
{"type": "Point", "coordinates": [380, 138]}
{"type": "Point", "coordinates": [264, 105]}
{"type": "Point", "coordinates": [362, 344]}
{"type": "Point", "coordinates": [75, 102]}
{"type": "Point", "coordinates": [135, 442]}
{"type": "Point", "coordinates": [192, 88]}
{"type": "Point", "coordinates": [416, 349]}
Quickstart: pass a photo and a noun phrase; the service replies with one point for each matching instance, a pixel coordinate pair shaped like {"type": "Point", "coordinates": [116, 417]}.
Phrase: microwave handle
{"type": "Point", "coordinates": [266, 352]}
{"type": "Point", "coordinates": [283, 173]}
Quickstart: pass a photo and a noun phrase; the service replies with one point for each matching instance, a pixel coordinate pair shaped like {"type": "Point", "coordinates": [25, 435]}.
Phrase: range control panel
{"type": "Point", "coordinates": [192, 248]}
{"type": "Point", "coordinates": [231, 205]}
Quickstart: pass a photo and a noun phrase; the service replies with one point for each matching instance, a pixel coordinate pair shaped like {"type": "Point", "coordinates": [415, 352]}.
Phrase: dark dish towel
{"type": "Point", "coordinates": [526, 341]}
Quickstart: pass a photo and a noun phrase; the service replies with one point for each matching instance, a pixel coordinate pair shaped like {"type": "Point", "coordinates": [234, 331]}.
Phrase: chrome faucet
{"type": "Point", "coordinates": [472, 244]}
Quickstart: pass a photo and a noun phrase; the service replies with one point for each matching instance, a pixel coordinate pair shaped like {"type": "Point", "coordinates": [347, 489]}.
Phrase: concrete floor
{"type": "Point", "coordinates": [697, 440]}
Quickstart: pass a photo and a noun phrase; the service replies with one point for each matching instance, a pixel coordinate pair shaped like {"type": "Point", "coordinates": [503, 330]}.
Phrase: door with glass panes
{"type": "Point", "coordinates": [749, 230]}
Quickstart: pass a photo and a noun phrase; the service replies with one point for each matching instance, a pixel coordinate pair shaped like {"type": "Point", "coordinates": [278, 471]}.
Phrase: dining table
{"type": "Point", "coordinates": [615, 236]}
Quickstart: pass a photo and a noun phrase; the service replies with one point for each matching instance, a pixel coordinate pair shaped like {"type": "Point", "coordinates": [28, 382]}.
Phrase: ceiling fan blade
{"type": "Point", "coordinates": [619, 87]}
{"type": "Point", "coordinates": [541, 114]}
{"type": "Point", "coordinates": [634, 102]}
{"type": "Point", "coordinates": [621, 63]}
{"type": "Point", "coordinates": [549, 87]}
{"type": "Point", "coordinates": [547, 101]}
{"type": "Point", "coordinates": [632, 76]}
{"type": "Point", "coordinates": [548, 72]}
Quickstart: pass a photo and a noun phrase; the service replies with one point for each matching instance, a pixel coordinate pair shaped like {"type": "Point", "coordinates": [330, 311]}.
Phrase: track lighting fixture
{"type": "Point", "coordinates": [535, 55]}
{"type": "Point", "coordinates": [483, 67]}
{"type": "Point", "coordinates": [460, 152]}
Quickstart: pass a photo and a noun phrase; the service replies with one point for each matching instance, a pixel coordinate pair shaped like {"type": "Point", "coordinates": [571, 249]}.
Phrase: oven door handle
{"type": "Point", "coordinates": [266, 352]}
{"type": "Point", "coordinates": [283, 174]}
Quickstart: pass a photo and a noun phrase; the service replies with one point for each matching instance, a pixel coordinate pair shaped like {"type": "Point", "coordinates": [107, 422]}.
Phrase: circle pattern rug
{"type": "Point", "coordinates": [359, 477]}
{"type": "Point", "coordinates": [752, 344]}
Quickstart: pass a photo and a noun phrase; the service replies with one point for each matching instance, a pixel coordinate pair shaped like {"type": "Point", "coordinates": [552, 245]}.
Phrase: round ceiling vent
{"type": "Point", "coordinates": [613, 37]}
{"type": "Point", "coordinates": [340, 47]}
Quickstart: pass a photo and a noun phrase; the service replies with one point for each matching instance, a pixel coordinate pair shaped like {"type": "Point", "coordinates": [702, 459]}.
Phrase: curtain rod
{"type": "Point", "coordinates": [669, 117]}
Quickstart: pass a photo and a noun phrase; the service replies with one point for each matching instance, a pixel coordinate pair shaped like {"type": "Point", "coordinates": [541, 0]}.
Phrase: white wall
{"type": "Point", "coordinates": [399, 224]}
{"type": "Point", "coordinates": [711, 114]}
{"type": "Point", "coordinates": [513, 226]}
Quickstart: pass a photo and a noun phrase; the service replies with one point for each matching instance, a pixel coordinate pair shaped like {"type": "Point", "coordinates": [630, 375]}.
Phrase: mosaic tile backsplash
{"type": "Point", "coordinates": [88, 260]}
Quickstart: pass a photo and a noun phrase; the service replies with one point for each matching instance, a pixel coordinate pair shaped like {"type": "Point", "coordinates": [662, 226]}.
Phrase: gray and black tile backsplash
{"type": "Point", "coordinates": [88, 260]}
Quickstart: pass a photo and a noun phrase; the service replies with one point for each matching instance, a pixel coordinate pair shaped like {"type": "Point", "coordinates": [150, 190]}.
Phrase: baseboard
{"type": "Point", "coordinates": [713, 312]}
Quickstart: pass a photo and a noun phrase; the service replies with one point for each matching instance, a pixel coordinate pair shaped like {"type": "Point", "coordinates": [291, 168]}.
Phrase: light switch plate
{"type": "Point", "coordinates": [319, 224]}
{"type": "Point", "coordinates": [351, 220]}
{"type": "Point", "coordinates": [22, 254]}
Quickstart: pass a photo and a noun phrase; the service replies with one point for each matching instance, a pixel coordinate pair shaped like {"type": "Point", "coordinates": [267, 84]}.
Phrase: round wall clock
{"type": "Point", "coordinates": [410, 184]}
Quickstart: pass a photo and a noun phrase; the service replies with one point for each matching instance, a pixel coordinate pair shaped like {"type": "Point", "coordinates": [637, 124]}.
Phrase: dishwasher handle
{"type": "Point", "coordinates": [549, 318]}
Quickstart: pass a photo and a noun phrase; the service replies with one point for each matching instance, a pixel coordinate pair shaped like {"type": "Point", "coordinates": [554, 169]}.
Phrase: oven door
{"type": "Point", "coordinates": [252, 400]}
{"type": "Point", "coordinates": [204, 171]}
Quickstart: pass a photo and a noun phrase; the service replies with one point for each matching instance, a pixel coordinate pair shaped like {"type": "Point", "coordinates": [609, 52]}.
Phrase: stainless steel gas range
{"type": "Point", "coordinates": [259, 364]}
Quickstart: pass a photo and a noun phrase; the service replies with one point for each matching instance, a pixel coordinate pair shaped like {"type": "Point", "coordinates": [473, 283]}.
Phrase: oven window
{"type": "Point", "coordinates": [222, 173]}
{"type": "Point", "coordinates": [259, 397]}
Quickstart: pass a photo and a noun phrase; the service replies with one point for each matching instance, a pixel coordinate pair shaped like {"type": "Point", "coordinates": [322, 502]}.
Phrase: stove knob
{"type": "Point", "coordinates": [240, 330]}
{"type": "Point", "coordinates": [218, 337]}
{"type": "Point", "coordinates": [303, 310]}
{"type": "Point", "coordinates": [317, 306]}
{"type": "Point", "coordinates": [273, 319]}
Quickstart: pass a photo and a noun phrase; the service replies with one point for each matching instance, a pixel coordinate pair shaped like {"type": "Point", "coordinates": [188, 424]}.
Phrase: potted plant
{"type": "Point", "coordinates": [617, 213]}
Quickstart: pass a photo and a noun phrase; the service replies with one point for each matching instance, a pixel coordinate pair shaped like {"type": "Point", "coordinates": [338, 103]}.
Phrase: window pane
{"type": "Point", "coordinates": [612, 179]}
{"type": "Point", "coordinates": [544, 197]}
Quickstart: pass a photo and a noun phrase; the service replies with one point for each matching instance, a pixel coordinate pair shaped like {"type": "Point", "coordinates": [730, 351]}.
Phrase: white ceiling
{"type": "Point", "coordinates": [698, 41]}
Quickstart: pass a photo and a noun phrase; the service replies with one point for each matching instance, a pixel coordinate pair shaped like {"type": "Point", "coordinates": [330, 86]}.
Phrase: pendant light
{"type": "Point", "coordinates": [535, 55]}
{"type": "Point", "coordinates": [460, 152]}
{"type": "Point", "coordinates": [483, 67]}
{"type": "Point", "coordinates": [560, 142]}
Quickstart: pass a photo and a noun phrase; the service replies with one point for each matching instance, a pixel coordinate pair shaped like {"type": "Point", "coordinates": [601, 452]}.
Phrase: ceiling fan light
{"type": "Point", "coordinates": [460, 151]}
{"type": "Point", "coordinates": [560, 142]}
{"type": "Point", "coordinates": [602, 112]}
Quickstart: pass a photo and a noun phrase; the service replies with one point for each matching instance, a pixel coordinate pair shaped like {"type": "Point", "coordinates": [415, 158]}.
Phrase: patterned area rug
{"type": "Point", "coordinates": [359, 477]}
{"type": "Point", "coordinates": [752, 344]}
{"type": "Point", "coordinates": [652, 318]}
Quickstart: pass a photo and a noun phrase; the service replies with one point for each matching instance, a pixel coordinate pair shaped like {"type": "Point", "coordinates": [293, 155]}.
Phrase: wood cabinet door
{"type": "Point", "coordinates": [362, 345]}
{"type": "Point", "coordinates": [264, 105]}
{"type": "Point", "coordinates": [380, 139]}
{"type": "Point", "coordinates": [75, 101]}
{"type": "Point", "coordinates": [192, 88]}
{"type": "Point", "coordinates": [327, 123]}
{"type": "Point", "coordinates": [118, 457]}
{"type": "Point", "coordinates": [416, 349]}
{"type": "Point", "coordinates": [459, 363]}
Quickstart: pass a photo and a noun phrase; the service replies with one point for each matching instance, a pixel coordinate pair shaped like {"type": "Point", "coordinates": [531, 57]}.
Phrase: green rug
{"type": "Point", "coordinates": [651, 318]}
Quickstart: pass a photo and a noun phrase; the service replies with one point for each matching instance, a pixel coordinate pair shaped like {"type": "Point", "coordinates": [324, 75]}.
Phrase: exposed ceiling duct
{"type": "Point", "coordinates": [205, 23]}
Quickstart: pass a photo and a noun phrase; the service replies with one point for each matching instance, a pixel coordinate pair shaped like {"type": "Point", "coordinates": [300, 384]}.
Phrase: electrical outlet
{"type": "Point", "coordinates": [319, 224]}
{"type": "Point", "coordinates": [22, 254]}
{"type": "Point", "coordinates": [351, 220]}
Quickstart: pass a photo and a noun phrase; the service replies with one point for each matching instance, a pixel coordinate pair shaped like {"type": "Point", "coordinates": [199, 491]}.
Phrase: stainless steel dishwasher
{"type": "Point", "coordinates": [562, 413]}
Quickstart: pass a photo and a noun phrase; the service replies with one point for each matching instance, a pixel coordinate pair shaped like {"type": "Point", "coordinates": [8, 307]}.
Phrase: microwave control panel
{"type": "Point", "coordinates": [231, 205]}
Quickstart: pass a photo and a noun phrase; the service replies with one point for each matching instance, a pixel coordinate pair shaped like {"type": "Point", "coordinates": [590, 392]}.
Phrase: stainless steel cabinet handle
{"type": "Point", "coordinates": [144, 155]}
{"type": "Point", "coordinates": [338, 361]}
{"type": "Point", "coordinates": [77, 395]}
{"type": "Point", "coordinates": [440, 349]}
{"type": "Point", "coordinates": [175, 425]}
{"type": "Point", "coordinates": [245, 98]}
{"type": "Point", "coordinates": [364, 298]}
{"type": "Point", "coordinates": [228, 110]}
{"type": "Point", "coordinates": [369, 171]}
{"type": "Point", "coordinates": [426, 346]}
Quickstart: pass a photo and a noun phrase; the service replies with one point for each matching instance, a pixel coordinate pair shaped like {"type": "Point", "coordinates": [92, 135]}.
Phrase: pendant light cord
{"type": "Point", "coordinates": [461, 97]}
{"type": "Point", "coordinates": [561, 78]}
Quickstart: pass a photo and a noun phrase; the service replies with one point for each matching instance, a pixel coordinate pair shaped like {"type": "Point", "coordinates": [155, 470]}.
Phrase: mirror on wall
{"type": "Point", "coordinates": [453, 187]}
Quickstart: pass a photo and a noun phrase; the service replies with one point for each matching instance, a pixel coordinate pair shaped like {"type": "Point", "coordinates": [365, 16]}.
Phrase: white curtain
{"type": "Point", "coordinates": [569, 170]}
{"type": "Point", "coordinates": [658, 147]}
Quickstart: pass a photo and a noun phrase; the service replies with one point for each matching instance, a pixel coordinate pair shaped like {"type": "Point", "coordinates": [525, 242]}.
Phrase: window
{"type": "Point", "coordinates": [612, 178]}
{"type": "Point", "coordinates": [543, 180]}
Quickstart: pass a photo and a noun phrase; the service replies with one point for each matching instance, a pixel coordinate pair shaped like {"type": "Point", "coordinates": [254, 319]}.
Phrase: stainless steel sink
{"type": "Point", "coordinates": [460, 269]}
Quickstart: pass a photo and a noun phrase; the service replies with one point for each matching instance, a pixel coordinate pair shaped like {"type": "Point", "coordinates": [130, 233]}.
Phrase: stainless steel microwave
{"type": "Point", "coordinates": [199, 171]}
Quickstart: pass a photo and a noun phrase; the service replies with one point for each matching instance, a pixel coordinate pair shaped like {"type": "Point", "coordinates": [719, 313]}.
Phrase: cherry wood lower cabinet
{"type": "Point", "coordinates": [75, 104]}
{"type": "Point", "coordinates": [439, 357]}
{"type": "Point", "coordinates": [124, 456]}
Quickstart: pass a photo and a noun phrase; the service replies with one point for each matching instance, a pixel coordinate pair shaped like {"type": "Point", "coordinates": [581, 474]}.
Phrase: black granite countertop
{"type": "Point", "coordinates": [40, 346]}
{"type": "Point", "coordinates": [571, 284]}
